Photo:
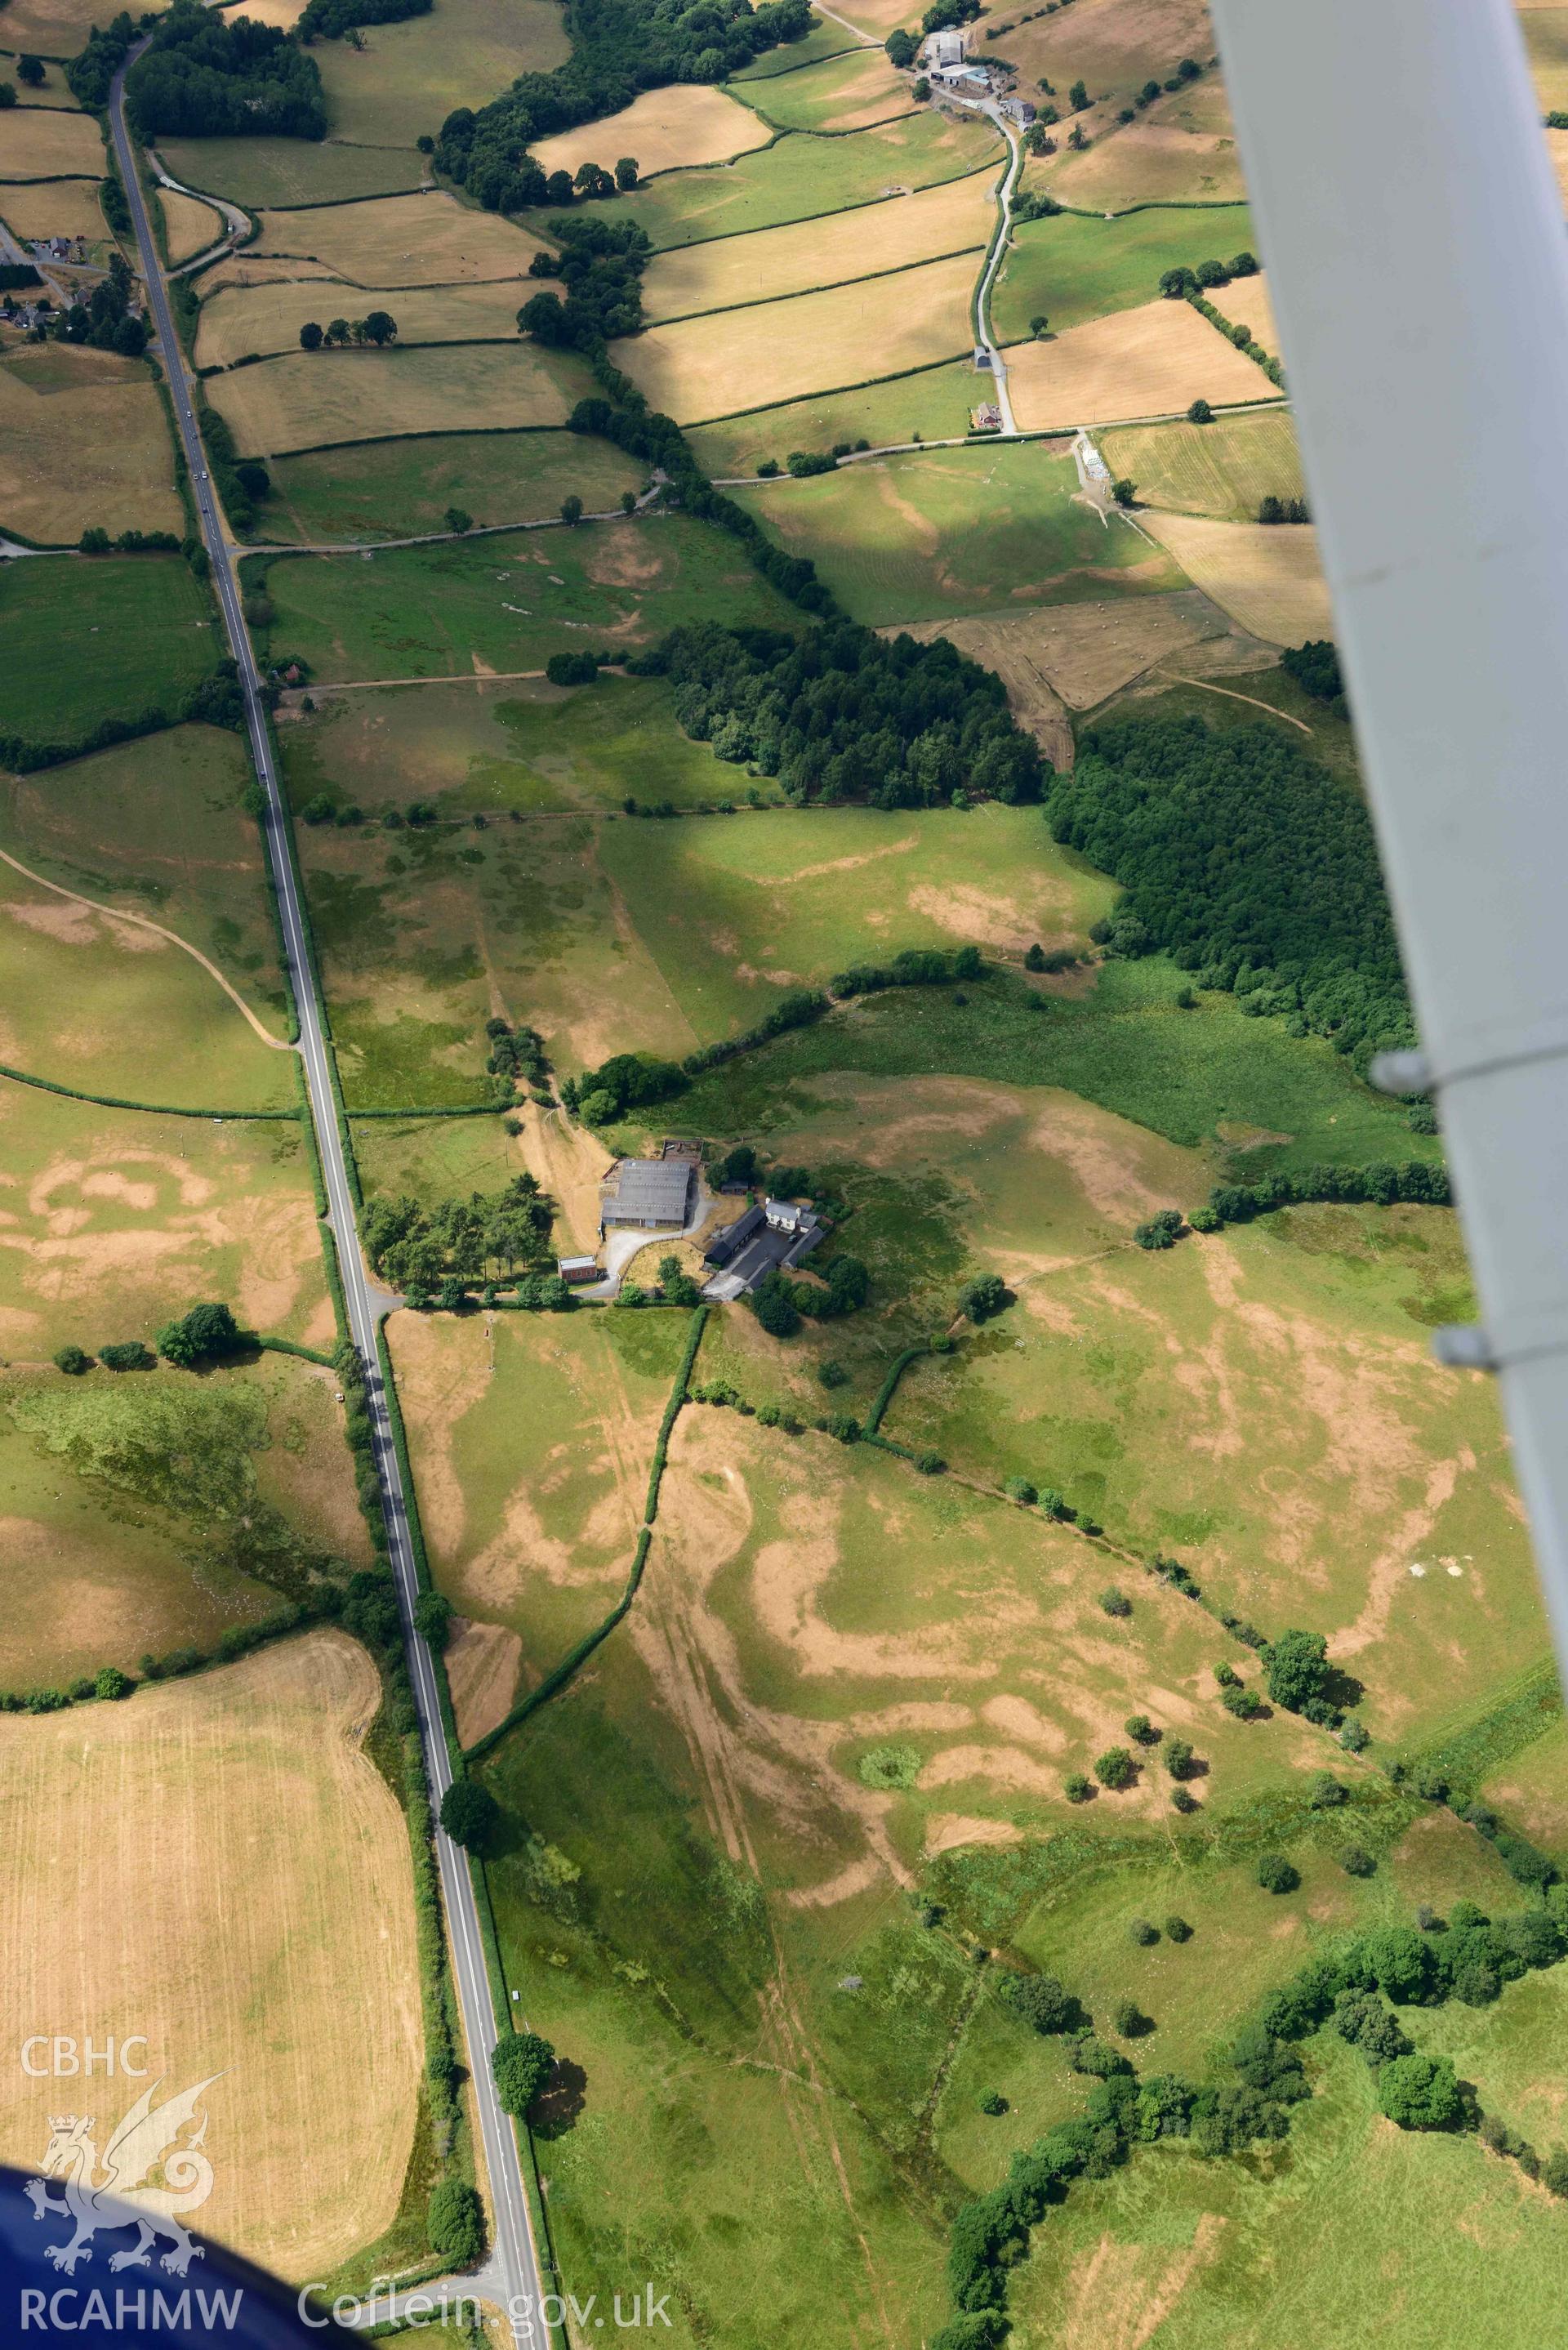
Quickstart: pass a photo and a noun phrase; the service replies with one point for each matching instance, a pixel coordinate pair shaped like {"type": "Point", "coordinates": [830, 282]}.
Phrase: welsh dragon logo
{"type": "Point", "coordinates": [143, 2148]}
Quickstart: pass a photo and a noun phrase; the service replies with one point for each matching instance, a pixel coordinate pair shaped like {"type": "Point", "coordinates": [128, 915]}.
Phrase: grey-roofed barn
{"type": "Point", "coordinates": [652, 1192]}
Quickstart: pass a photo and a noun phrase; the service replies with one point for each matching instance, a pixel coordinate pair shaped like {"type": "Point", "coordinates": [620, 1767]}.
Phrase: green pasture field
{"type": "Point", "coordinates": [827, 40]}
{"type": "Point", "coordinates": [489, 749]}
{"type": "Point", "coordinates": [396, 489]}
{"type": "Point", "coordinates": [157, 827]}
{"type": "Point", "coordinates": [819, 97]}
{"type": "Point", "coordinates": [277, 174]}
{"type": "Point", "coordinates": [1224, 469]}
{"type": "Point", "coordinates": [109, 638]}
{"type": "Point", "coordinates": [932, 404]}
{"type": "Point", "coordinates": [407, 77]}
{"type": "Point", "coordinates": [505, 604]}
{"type": "Point", "coordinates": [119, 1219]}
{"type": "Point", "coordinates": [798, 178]}
{"type": "Point", "coordinates": [1532, 1791]}
{"type": "Point", "coordinates": [1354, 2223]}
{"type": "Point", "coordinates": [1209, 1078]}
{"type": "Point", "coordinates": [146, 1508]}
{"type": "Point", "coordinates": [535, 1532]}
{"type": "Point", "coordinates": [954, 531]}
{"type": "Point", "coordinates": [1075, 266]}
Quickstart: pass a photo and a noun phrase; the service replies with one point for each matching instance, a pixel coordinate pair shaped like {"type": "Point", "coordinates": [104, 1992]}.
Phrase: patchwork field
{"type": "Point", "coordinates": [311, 399]}
{"type": "Point", "coordinates": [405, 79]}
{"type": "Point", "coordinates": [1223, 469]}
{"type": "Point", "coordinates": [803, 178]}
{"type": "Point", "coordinates": [399, 488]}
{"type": "Point", "coordinates": [105, 638]}
{"type": "Point", "coordinates": [930, 404]}
{"type": "Point", "coordinates": [811, 343]}
{"type": "Point", "coordinates": [920, 537]}
{"type": "Point", "coordinates": [53, 208]}
{"type": "Point", "coordinates": [49, 143]}
{"type": "Point", "coordinates": [1075, 266]}
{"type": "Point", "coordinates": [51, 28]}
{"type": "Point", "coordinates": [1152, 162]}
{"type": "Point", "coordinates": [1268, 579]}
{"type": "Point", "coordinates": [262, 173]}
{"type": "Point", "coordinates": [845, 94]}
{"type": "Point", "coordinates": [1246, 301]}
{"type": "Point", "coordinates": [1114, 46]}
{"type": "Point", "coordinates": [455, 610]}
{"type": "Point", "coordinates": [411, 240]}
{"type": "Point", "coordinates": [120, 1554]}
{"type": "Point", "coordinates": [83, 439]}
{"type": "Point", "coordinates": [723, 272]}
{"type": "Point", "coordinates": [253, 1776]}
{"type": "Point", "coordinates": [116, 1220]}
{"type": "Point", "coordinates": [154, 828]}
{"type": "Point", "coordinates": [239, 320]}
{"type": "Point", "coordinates": [189, 226]}
{"type": "Point", "coordinates": [1150, 361]}
{"type": "Point", "coordinates": [687, 124]}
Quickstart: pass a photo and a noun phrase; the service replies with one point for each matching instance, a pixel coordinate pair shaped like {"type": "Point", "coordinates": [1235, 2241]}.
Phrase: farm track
{"type": "Point", "coordinates": [512, 2275]}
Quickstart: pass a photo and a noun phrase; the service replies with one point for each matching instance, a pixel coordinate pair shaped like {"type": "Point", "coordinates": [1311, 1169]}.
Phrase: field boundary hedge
{"type": "Point", "coordinates": [153, 1110]}
{"type": "Point", "coordinates": [556, 1681]}
{"type": "Point", "coordinates": [830, 391]}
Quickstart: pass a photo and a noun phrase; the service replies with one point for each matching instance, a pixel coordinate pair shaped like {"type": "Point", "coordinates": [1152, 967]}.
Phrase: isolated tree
{"type": "Point", "coordinates": [571, 510]}
{"type": "Point", "coordinates": [1276, 1875]}
{"type": "Point", "coordinates": [984, 1295]}
{"type": "Point", "coordinates": [1114, 1602]}
{"type": "Point", "coordinates": [1421, 2092]}
{"type": "Point", "coordinates": [110, 1682]}
{"type": "Point", "coordinates": [1178, 1758]}
{"type": "Point", "coordinates": [1077, 1788]}
{"type": "Point", "coordinates": [522, 2062]}
{"type": "Point", "coordinates": [1078, 137]}
{"type": "Point", "coordinates": [127, 1355]}
{"type": "Point", "coordinates": [470, 1814]}
{"type": "Point", "coordinates": [8, 95]}
{"type": "Point", "coordinates": [1078, 97]}
{"type": "Point", "coordinates": [628, 501]}
{"type": "Point", "coordinates": [455, 2222]}
{"type": "Point", "coordinates": [73, 1361]}
{"type": "Point", "coordinates": [381, 328]}
{"type": "Point", "coordinates": [1039, 2001]}
{"type": "Point", "coordinates": [433, 1618]}
{"type": "Point", "coordinates": [1125, 492]}
{"type": "Point", "coordinates": [201, 1336]}
{"type": "Point", "coordinates": [1200, 412]}
{"type": "Point", "coordinates": [1141, 1730]}
{"type": "Point", "coordinates": [1176, 1929]}
{"type": "Point", "coordinates": [1038, 324]}
{"type": "Point", "coordinates": [458, 518]}
{"type": "Point", "coordinates": [310, 336]}
{"type": "Point", "coordinates": [1297, 1669]}
{"type": "Point", "coordinates": [1020, 1490]}
{"type": "Point", "coordinates": [626, 172]}
{"type": "Point", "coordinates": [1116, 1767]}
{"type": "Point", "coordinates": [1144, 1932]}
{"type": "Point", "coordinates": [30, 69]}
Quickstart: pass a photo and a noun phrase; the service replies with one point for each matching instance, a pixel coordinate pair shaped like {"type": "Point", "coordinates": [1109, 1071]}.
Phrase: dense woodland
{"type": "Point", "coordinates": [844, 714]}
{"type": "Point", "coordinates": [330, 19]}
{"type": "Point", "coordinates": [205, 77]}
{"type": "Point", "coordinates": [619, 47]}
{"type": "Point", "coordinates": [1249, 863]}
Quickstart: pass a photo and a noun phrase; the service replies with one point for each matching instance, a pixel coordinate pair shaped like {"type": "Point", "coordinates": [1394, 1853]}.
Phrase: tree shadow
{"type": "Point", "coordinates": [556, 2108]}
{"type": "Point", "coordinates": [1342, 1689]}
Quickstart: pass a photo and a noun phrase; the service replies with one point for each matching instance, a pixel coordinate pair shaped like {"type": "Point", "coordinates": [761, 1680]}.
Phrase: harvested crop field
{"type": "Point", "coordinates": [189, 225]}
{"type": "Point", "coordinates": [51, 28]}
{"type": "Point", "coordinates": [240, 320]}
{"type": "Point", "coordinates": [664, 129]}
{"type": "Point", "coordinates": [405, 78]}
{"type": "Point", "coordinates": [212, 1790]}
{"type": "Point", "coordinates": [83, 439]}
{"type": "Point", "coordinates": [1147, 362]}
{"type": "Point", "coordinates": [1151, 163]}
{"type": "Point", "coordinates": [262, 173]}
{"type": "Point", "coordinates": [813, 342]}
{"type": "Point", "coordinates": [413, 240]}
{"type": "Point", "coordinates": [312, 399]}
{"type": "Point", "coordinates": [114, 1221]}
{"type": "Point", "coordinates": [1224, 469]}
{"type": "Point", "coordinates": [1268, 579]}
{"type": "Point", "coordinates": [1245, 302]}
{"type": "Point", "coordinates": [957, 217]}
{"type": "Point", "coordinates": [395, 489]}
{"type": "Point", "coordinates": [989, 528]}
{"type": "Point", "coordinates": [804, 178]}
{"type": "Point", "coordinates": [843, 94]}
{"type": "Point", "coordinates": [49, 143]}
{"type": "Point", "coordinates": [39, 208]}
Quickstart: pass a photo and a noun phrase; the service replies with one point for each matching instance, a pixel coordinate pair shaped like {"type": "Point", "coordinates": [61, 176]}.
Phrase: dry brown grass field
{"type": "Point", "coordinates": [39, 144]}
{"type": "Point", "coordinates": [1224, 469]}
{"type": "Point", "coordinates": [1268, 580]}
{"type": "Point", "coordinates": [281, 15]}
{"type": "Point", "coordinates": [52, 28]}
{"type": "Point", "coordinates": [1151, 361]}
{"type": "Point", "coordinates": [414, 240]}
{"type": "Point", "coordinates": [840, 94]}
{"type": "Point", "coordinates": [1151, 161]}
{"type": "Point", "coordinates": [1245, 302]}
{"type": "Point", "coordinates": [55, 91]}
{"type": "Point", "coordinates": [216, 1864]}
{"type": "Point", "coordinates": [310, 399]}
{"type": "Point", "coordinates": [83, 439]}
{"type": "Point", "coordinates": [782, 350]}
{"type": "Point", "coordinates": [685, 124]}
{"type": "Point", "coordinates": [267, 319]}
{"type": "Point", "coordinates": [240, 269]}
{"type": "Point", "coordinates": [53, 208]}
{"type": "Point", "coordinates": [776, 262]}
{"type": "Point", "coordinates": [190, 226]}
{"type": "Point", "coordinates": [1114, 46]}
